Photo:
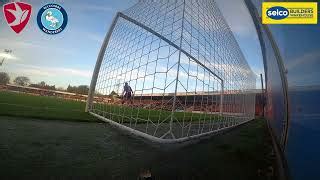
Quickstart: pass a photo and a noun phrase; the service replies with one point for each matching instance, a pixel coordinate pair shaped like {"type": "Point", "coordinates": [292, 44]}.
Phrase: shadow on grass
{"type": "Point", "coordinates": [68, 150]}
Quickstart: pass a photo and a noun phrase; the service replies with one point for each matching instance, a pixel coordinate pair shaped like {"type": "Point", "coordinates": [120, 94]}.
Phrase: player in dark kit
{"type": "Point", "coordinates": [127, 93]}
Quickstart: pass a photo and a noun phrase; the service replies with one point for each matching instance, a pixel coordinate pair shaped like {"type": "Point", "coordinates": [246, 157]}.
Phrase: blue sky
{"type": "Point", "coordinates": [69, 57]}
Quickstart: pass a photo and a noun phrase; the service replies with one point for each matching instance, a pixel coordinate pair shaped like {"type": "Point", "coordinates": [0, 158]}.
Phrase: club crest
{"type": "Point", "coordinates": [52, 19]}
{"type": "Point", "coordinates": [17, 15]}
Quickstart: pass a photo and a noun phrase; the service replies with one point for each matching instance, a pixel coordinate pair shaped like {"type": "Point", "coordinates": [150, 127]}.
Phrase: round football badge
{"type": "Point", "coordinates": [52, 19]}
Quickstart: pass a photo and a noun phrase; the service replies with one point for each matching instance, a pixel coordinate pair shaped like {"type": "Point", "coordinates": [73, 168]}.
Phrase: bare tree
{"type": "Point", "coordinates": [1, 62]}
{"type": "Point", "coordinates": [4, 78]}
{"type": "Point", "coordinates": [42, 84]}
{"type": "Point", "coordinates": [82, 89]}
{"type": "Point", "coordinates": [22, 81]}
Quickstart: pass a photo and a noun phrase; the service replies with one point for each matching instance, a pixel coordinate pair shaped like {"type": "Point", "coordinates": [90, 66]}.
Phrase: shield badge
{"type": "Point", "coordinates": [17, 15]}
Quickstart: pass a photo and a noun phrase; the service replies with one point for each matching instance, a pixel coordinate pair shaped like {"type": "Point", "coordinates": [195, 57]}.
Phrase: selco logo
{"type": "Point", "coordinates": [277, 13]}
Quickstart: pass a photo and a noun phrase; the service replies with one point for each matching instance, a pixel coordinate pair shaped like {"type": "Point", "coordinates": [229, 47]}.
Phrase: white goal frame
{"type": "Point", "coordinates": [162, 139]}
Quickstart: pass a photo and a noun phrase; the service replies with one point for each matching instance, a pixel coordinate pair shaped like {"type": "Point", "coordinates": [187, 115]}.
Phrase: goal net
{"type": "Point", "coordinates": [171, 71]}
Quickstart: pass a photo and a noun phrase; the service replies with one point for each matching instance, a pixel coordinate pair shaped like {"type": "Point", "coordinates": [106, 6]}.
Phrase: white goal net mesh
{"type": "Point", "coordinates": [171, 70]}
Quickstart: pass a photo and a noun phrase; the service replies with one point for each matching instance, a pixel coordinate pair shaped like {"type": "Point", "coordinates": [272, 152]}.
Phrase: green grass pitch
{"type": "Point", "coordinates": [127, 114]}
{"type": "Point", "coordinates": [44, 107]}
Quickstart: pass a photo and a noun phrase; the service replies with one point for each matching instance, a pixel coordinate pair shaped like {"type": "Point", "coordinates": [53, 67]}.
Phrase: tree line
{"type": "Point", "coordinates": [25, 81]}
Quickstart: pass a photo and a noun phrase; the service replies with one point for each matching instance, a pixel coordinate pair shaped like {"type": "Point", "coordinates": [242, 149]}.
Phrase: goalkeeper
{"type": "Point", "coordinates": [127, 94]}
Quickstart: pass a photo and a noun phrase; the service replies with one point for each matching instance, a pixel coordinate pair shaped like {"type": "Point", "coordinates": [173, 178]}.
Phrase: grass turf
{"type": "Point", "coordinates": [43, 107]}
{"type": "Point", "coordinates": [127, 114]}
{"type": "Point", "coordinates": [35, 149]}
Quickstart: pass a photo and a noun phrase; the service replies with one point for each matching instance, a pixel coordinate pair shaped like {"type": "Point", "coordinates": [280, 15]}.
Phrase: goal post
{"type": "Point", "coordinates": [168, 75]}
{"type": "Point", "coordinates": [98, 64]}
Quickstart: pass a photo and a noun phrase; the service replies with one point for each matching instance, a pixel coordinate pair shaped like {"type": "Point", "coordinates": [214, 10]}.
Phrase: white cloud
{"type": "Point", "coordinates": [75, 72]}
{"type": "Point", "coordinates": [36, 72]}
{"type": "Point", "coordinates": [306, 58]}
{"type": "Point", "coordinates": [93, 7]}
{"type": "Point", "coordinates": [8, 56]}
{"type": "Point", "coordinates": [35, 45]}
{"type": "Point", "coordinates": [237, 16]}
{"type": "Point", "coordinates": [95, 37]}
{"type": "Point", "coordinates": [33, 70]}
